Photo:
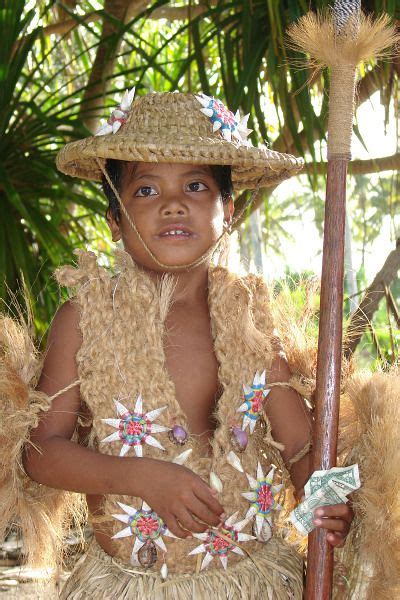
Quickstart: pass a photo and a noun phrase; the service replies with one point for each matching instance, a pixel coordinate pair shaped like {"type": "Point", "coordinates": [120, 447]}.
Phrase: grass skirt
{"type": "Point", "coordinates": [273, 573]}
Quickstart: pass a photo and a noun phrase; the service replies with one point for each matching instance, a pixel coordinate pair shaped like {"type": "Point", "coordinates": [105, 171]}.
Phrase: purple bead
{"type": "Point", "coordinates": [178, 435]}
{"type": "Point", "coordinates": [239, 439]}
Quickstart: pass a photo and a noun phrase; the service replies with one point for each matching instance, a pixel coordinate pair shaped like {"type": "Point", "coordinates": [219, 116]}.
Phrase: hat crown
{"type": "Point", "coordinates": [172, 127]}
{"type": "Point", "coordinates": [168, 115]}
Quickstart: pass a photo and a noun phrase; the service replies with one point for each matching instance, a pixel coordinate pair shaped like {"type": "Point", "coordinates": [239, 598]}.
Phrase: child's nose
{"type": "Point", "coordinates": [173, 206]}
{"type": "Point", "coordinates": [167, 211]}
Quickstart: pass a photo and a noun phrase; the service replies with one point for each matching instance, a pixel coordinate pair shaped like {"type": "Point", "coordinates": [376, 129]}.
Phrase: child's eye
{"type": "Point", "coordinates": [197, 186]}
{"type": "Point", "coordinates": [146, 190]}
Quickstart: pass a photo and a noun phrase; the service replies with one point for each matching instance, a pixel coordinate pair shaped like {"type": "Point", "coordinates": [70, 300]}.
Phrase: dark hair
{"type": "Point", "coordinates": [222, 175]}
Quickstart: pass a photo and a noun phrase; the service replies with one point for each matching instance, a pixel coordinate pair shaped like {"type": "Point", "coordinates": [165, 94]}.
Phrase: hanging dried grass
{"type": "Point", "coordinates": [369, 434]}
{"type": "Point", "coordinates": [315, 35]}
{"type": "Point", "coordinates": [297, 330]}
{"type": "Point", "coordinates": [44, 515]}
{"type": "Point", "coordinates": [278, 575]}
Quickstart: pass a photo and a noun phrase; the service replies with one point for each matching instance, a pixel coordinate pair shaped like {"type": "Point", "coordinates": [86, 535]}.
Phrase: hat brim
{"type": "Point", "coordinates": [251, 167]}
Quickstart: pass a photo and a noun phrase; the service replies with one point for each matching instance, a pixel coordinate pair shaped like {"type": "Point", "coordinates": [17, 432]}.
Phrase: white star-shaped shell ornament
{"type": "Point", "coordinates": [254, 395]}
{"type": "Point", "coordinates": [231, 126]}
{"type": "Point", "coordinates": [135, 427]}
{"type": "Point", "coordinates": [263, 501]}
{"type": "Point", "coordinates": [217, 543]}
{"type": "Point", "coordinates": [119, 114]}
{"type": "Point", "coordinates": [148, 529]}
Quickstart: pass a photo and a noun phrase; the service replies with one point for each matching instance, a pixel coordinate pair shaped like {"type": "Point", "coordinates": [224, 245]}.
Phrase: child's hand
{"type": "Point", "coordinates": [337, 519]}
{"type": "Point", "coordinates": [181, 498]}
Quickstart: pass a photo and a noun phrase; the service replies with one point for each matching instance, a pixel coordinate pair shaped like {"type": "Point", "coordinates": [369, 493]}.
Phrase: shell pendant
{"type": "Point", "coordinates": [147, 555]}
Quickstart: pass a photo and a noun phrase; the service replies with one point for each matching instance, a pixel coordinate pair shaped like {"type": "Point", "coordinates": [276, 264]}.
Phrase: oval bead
{"type": "Point", "coordinates": [240, 439]}
{"type": "Point", "coordinates": [178, 435]}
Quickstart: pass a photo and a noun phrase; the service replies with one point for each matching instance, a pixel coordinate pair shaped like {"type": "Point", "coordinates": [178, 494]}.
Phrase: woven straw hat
{"type": "Point", "coordinates": [178, 128]}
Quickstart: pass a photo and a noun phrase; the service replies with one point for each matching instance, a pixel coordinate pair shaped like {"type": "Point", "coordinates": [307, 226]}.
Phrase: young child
{"type": "Point", "coordinates": [171, 405]}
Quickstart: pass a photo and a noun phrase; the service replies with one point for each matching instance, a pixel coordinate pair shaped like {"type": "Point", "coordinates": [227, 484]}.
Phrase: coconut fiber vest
{"type": "Point", "coordinates": [134, 411]}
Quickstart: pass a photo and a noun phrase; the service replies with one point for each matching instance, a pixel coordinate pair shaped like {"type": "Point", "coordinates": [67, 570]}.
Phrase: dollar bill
{"type": "Point", "coordinates": [345, 478]}
{"type": "Point", "coordinates": [302, 516]}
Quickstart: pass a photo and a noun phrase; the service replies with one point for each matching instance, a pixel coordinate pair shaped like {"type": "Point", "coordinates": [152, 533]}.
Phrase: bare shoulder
{"type": "Point", "coordinates": [65, 326]}
{"type": "Point", "coordinates": [279, 371]}
{"type": "Point", "coordinates": [60, 370]}
{"type": "Point", "coordinates": [64, 341]}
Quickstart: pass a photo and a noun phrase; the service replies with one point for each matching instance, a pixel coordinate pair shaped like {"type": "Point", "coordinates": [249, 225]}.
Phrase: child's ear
{"type": "Point", "coordinates": [229, 209]}
{"type": "Point", "coordinates": [114, 227]}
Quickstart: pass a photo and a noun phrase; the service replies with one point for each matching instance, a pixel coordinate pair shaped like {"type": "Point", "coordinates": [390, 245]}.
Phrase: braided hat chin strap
{"type": "Point", "coordinates": [195, 263]}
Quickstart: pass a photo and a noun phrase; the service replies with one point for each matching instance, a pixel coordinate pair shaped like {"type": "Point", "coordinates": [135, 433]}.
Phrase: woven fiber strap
{"type": "Point", "coordinates": [300, 454]}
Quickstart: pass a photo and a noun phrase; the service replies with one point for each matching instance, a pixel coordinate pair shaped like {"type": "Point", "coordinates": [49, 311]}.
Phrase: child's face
{"type": "Point", "coordinates": [167, 198]}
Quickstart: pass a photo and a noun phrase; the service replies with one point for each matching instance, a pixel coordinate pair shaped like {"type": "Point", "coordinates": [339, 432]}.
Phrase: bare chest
{"type": "Point", "coordinates": [193, 368]}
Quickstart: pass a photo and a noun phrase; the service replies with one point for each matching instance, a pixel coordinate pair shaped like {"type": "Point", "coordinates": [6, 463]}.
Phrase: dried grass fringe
{"type": "Point", "coordinates": [315, 34]}
{"type": "Point", "coordinates": [43, 514]}
{"type": "Point", "coordinates": [369, 435]}
{"type": "Point", "coordinates": [297, 331]}
{"type": "Point", "coordinates": [278, 572]}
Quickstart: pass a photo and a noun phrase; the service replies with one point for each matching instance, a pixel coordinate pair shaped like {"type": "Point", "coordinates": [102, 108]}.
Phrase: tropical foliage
{"type": "Point", "coordinates": [61, 66]}
{"type": "Point", "coordinates": [41, 213]}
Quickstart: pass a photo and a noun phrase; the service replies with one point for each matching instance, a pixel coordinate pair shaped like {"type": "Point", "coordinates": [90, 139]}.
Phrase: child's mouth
{"type": "Point", "coordinates": [176, 233]}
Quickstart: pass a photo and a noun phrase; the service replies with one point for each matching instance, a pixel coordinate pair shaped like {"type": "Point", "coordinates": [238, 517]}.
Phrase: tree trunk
{"type": "Point", "coordinates": [351, 280]}
{"type": "Point", "coordinates": [370, 302]}
{"type": "Point", "coordinates": [61, 13]}
{"type": "Point", "coordinates": [93, 101]}
{"type": "Point", "coordinates": [256, 241]}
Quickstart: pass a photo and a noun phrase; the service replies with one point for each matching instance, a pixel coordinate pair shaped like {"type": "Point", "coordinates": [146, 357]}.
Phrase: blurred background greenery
{"type": "Point", "coordinates": [63, 65]}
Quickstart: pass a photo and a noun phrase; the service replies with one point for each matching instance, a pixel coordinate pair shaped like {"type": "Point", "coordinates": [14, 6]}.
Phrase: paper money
{"type": "Point", "coordinates": [302, 516]}
{"type": "Point", "coordinates": [346, 478]}
{"type": "Point", "coordinates": [324, 488]}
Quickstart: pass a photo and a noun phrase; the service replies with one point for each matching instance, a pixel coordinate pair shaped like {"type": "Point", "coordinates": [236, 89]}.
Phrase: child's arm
{"type": "Point", "coordinates": [292, 426]}
{"type": "Point", "coordinates": [290, 422]}
{"type": "Point", "coordinates": [62, 464]}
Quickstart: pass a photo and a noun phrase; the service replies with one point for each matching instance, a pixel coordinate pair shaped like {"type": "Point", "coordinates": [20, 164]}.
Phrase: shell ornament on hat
{"type": "Point", "coordinates": [175, 127]}
{"type": "Point", "coordinates": [230, 125]}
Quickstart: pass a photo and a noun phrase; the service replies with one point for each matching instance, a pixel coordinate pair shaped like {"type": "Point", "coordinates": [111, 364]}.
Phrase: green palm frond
{"type": "Point", "coordinates": [37, 230]}
{"type": "Point", "coordinates": [237, 52]}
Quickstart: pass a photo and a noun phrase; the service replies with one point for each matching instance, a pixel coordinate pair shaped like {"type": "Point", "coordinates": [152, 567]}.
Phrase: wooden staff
{"type": "Point", "coordinates": [329, 360]}
{"type": "Point", "coordinates": [339, 42]}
